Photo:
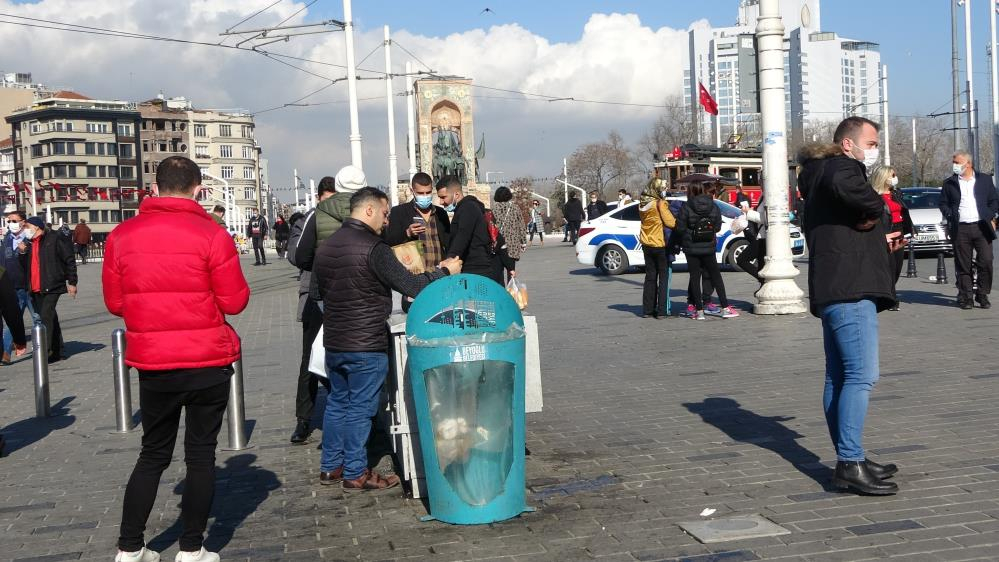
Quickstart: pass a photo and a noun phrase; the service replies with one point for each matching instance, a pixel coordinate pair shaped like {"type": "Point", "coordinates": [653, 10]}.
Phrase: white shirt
{"type": "Point", "coordinates": [967, 212]}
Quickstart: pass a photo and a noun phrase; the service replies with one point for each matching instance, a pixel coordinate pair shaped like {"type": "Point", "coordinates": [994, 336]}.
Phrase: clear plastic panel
{"type": "Point", "coordinates": [471, 411]}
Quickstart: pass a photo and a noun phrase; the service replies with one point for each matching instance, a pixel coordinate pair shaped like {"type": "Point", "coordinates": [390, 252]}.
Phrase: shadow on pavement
{"type": "Point", "coordinates": [769, 433]}
{"type": "Point", "coordinates": [74, 347]}
{"type": "Point", "coordinates": [29, 431]}
{"type": "Point", "coordinates": [240, 488]}
{"type": "Point", "coordinates": [926, 297]}
{"type": "Point", "coordinates": [635, 309]}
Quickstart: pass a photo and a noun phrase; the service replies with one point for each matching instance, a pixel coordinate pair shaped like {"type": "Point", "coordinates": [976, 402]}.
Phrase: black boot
{"type": "Point", "coordinates": [881, 471]}
{"type": "Point", "coordinates": [856, 476]}
{"type": "Point", "coordinates": [302, 432]}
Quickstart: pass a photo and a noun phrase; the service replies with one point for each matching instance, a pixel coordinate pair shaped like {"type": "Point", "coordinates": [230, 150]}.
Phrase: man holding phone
{"type": "Point", "coordinates": [420, 220]}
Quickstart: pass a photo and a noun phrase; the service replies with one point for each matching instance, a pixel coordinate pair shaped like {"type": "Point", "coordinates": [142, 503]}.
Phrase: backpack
{"type": "Point", "coordinates": [702, 229]}
{"type": "Point", "coordinates": [493, 230]}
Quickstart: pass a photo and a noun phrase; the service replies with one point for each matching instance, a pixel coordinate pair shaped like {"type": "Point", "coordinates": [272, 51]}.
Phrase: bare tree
{"type": "Point", "coordinates": [674, 127]}
{"type": "Point", "coordinates": [522, 188]}
{"type": "Point", "coordinates": [932, 155]}
{"type": "Point", "coordinates": [602, 166]}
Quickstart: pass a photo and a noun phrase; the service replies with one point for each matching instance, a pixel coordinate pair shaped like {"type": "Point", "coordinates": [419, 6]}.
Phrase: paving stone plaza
{"type": "Point", "coordinates": [647, 423]}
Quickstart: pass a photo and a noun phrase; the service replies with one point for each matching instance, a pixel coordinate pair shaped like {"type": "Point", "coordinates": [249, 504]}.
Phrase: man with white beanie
{"type": "Point", "coordinates": [320, 223]}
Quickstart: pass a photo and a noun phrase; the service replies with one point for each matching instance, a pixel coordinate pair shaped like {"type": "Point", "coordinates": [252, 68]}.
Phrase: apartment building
{"type": "Point", "coordinates": [221, 142]}
{"type": "Point", "coordinates": [77, 157]}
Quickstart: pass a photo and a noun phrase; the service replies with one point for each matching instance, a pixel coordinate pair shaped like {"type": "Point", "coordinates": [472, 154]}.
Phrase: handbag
{"type": "Point", "coordinates": [317, 359]}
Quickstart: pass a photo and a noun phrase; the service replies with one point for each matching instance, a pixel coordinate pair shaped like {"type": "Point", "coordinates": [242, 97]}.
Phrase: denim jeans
{"type": "Point", "coordinates": [23, 301]}
{"type": "Point", "coordinates": [850, 336]}
{"type": "Point", "coordinates": [356, 379]}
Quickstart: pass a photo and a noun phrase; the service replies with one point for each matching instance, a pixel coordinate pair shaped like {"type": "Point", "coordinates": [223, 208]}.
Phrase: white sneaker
{"type": "Point", "coordinates": [144, 555]}
{"type": "Point", "coordinates": [200, 556]}
{"type": "Point", "coordinates": [699, 315]}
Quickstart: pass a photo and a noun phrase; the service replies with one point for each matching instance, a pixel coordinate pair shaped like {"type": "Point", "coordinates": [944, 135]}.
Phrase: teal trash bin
{"type": "Point", "coordinates": [465, 337]}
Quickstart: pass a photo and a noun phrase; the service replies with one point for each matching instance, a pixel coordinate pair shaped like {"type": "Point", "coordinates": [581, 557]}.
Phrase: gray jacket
{"type": "Point", "coordinates": [305, 276]}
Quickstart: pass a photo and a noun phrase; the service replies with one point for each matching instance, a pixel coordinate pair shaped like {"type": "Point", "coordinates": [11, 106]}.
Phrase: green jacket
{"type": "Point", "coordinates": [330, 214]}
{"type": "Point", "coordinates": [218, 220]}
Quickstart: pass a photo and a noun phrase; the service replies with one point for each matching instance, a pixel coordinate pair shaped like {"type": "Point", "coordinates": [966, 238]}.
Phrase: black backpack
{"type": "Point", "coordinates": [702, 229]}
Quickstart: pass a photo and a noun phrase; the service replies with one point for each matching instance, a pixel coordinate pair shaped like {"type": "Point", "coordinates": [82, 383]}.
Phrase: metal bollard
{"type": "Point", "coordinates": [235, 412]}
{"type": "Point", "coordinates": [122, 388]}
{"type": "Point", "coordinates": [40, 365]}
{"type": "Point", "coordinates": [911, 271]}
{"type": "Point", "coordinates": [941, 269]}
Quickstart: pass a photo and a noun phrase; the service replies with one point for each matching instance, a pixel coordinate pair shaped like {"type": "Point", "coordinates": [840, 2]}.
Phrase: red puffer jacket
{"type": "Point", "coordinates": [173, 275]}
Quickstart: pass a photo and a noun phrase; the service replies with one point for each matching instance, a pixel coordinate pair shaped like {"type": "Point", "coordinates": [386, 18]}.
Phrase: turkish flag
{"type": "Point", "coordinates": [708, 102]}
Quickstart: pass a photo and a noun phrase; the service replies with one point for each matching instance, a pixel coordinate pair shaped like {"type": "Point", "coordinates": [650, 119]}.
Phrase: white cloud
{"type": "Point", "coordinates": [616, 58]}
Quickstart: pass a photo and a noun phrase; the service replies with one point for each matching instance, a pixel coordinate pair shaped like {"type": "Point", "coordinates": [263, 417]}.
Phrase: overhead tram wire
{"type": "Point", "coordinates": [251, 16]}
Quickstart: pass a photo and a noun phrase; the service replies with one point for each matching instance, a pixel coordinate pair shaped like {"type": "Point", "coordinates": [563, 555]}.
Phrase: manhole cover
{"type": "Point", "coordinates": [733, 528]}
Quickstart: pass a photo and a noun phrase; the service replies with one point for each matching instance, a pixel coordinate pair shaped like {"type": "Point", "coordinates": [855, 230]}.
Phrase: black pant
{"type": "Point", "coordinates": [572, 231]}
{"type": "Point", "coordinates": [898, 258]}
{"type": "Point", "coordinates": [308, 384]}
{"type": "Point", "coordinates": [258, 249]}
{"type": "Point", "coordinates": [45, 306]}
{"type": "Point", "coordinates": [971, 239]}
{"type": "Point", "coordinates": [533, 229]}
{"type": "Point", "coordinates": [751, 258]}
{"type": "Point", "coordinates": [81, 250]}
{"type": "Point", "coordinates": [706, 287]}
{"type": "Point", "coordinates": [203, 411]}
{"type": "Point", "coordinates": [281, 246]}
{"type": "Point", "coordinates": [655, 291]}
{"type": "Point", "coordinates": [707, 264]}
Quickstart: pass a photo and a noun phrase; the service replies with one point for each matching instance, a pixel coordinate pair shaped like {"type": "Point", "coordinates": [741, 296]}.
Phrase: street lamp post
{"type": "Point", "coordinates": [779, 294]}
{"type": "Point", "coordinates": [393, 168]}
{"type": "Point", "coordinates": [355, 133]}
{"type": "Point", "coordinates": [548, 202]}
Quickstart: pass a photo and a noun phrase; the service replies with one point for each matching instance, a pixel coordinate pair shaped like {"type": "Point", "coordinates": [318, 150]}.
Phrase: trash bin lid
{"type": "Point", "coordinates": [462, 305]}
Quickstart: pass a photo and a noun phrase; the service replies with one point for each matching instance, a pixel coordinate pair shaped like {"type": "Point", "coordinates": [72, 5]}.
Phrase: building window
{"type": "Point", "coordinates": [201, 151]}
{"type": "Point", "coordinates": [126, 173]}
{"type": "Point", "coordinates": [93, 216]}
{"type": "Point", "coordinates": [248, 173]}
{"type": "Point", "coordinates": [125, 150]}
{"type": "Point", "coordinates": [112, 171]}
{"type": "Point", "coordinates": [249, 194]}
{"type": "Point", "coordinates": [227, 172]}
{"type": "Point", "coordinates": [248, 213]}
{"type": "Point", "coordinates": [200, 130]}
{"type": "Point", "coordinates": [39, 173]}
{"type": "Point", "coordinates": [128, 214]}
{"type": "Point", "coordinates": [124, 130]}
{"type": "Point", "coordinates": [34, 127]}
{"type": "Point", "coordinates": [248, 152]}
{"type": "Point", "coordinates": [36, 151]}
{"type": "Point", "coordinates": [225, 130]}
{"type": "Point", "coordinates": [59, 171]}
{"type": "Point", "coordinates": [115, 216]}
{"type": "Point", "coordinates": [225, 150]}
{"type": "Point", "coordinates": [100, 149]}
{"type": "Point", "coordinates": [112, 149]}
{"type": "Point", "coordinates": [91, 171]}
{"type": "Point", "coordinates": [97, 128]}
{"type": "Point", "coordinates": [247, 132]}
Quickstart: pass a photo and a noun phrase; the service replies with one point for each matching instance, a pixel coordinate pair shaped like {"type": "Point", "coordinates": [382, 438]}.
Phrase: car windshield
{"type": "Point", "coordinates": [629, 213]}
{"type": "Point", "coordinates": [921, 199]}
{"type": "Point", "coordinates": [727, 210]}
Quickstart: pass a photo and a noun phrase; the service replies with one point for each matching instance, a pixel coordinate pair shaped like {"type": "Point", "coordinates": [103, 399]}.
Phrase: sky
{"type": "Point", "coordinates": [625, 51]}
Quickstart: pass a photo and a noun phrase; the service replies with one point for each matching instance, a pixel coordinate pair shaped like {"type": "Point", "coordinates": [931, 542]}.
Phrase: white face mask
{"type": "Point", "coordinates": [871, 157]}
{"type": "Point", "coordinates": [958, 169]}
{"type": "Point", "coordinates": [14, 227]}
{"type": "Point", "coordinates": [29, 234]}
{"type": "Point", "coordinates": [893, 182]}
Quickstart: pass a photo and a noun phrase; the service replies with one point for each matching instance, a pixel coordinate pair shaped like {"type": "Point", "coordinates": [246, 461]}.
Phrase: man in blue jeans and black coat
{"type": "Point", "coordinates": [850, 280]}
{"type": "Point", "coordinates": [357, 272]}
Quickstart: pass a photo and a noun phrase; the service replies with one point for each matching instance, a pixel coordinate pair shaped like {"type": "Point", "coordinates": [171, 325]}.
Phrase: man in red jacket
{"type": "Point", "coordinates": [174, 299]}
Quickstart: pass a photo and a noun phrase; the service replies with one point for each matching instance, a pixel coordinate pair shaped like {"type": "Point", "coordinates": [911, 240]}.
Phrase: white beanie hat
{"type": "Point", "coordinates": [350, 179]}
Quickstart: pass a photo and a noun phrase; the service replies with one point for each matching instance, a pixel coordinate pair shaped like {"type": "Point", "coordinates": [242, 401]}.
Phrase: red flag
{"type": "Point", "coordinates": [708, 102]}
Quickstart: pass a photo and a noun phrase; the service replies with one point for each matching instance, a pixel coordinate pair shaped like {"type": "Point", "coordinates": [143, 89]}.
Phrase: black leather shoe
{"type": "Point", "coordinates": [302, 432]}
{"type": "Point", "coordinates": [965, 304]}
{"type": "Point", "coordinates": [881, 471]}
{"type": "Point", "coordinates": [983, 301]}
{"type": "Point", "coordinates": [855, 475]}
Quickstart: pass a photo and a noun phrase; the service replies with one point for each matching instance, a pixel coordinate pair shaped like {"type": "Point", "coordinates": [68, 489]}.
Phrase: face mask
{"type": "Point", "coordinates": [871, 157]}
{"type": "Point", "coordinates": [893, 182]}
{"type": "Point", "coordinates": [29, 234]}
{"type": "Point", "coordinates": [449, 208]}
{"type": "Point", "coordinates": [424, 201]}
{"type": "Point", "coordinates": [958, 169]}
{"type": "Point", "coordinates": [593, 199]}
{"type": "Point", "coordinates": [14, 227]}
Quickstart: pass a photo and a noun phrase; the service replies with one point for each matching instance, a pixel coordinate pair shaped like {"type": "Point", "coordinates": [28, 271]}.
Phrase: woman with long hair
{"type": "Point", "coordinates": [512, 228]}
{"type": "Point", "coordinates": [885, 182]}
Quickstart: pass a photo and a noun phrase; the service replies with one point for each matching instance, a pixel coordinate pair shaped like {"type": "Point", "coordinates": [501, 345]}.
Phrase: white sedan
{"type": "Point", "coordinates": [610, 242]}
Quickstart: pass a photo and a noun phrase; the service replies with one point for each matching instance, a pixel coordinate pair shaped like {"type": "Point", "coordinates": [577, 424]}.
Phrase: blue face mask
{"type": "Point", "coordinates": [449, 208]}
{"type": "Point", "coordinates": [424, 201]}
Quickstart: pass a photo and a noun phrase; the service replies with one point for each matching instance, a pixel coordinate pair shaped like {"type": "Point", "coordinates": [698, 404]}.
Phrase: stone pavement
{"type": "Point", "coordinates": [646, 423]}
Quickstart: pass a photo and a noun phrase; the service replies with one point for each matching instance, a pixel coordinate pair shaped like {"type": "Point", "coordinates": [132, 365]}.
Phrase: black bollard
{"type": "Point", "coordinates": [941, 269]}
{"type": "Point", "coordinates": [911, 271]}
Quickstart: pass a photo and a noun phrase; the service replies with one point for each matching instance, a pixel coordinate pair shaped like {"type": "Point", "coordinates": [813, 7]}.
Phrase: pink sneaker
{"type": "Point", "coordinates": [691, 311]}
{"type": "Point", "coordinates": [729, 312]}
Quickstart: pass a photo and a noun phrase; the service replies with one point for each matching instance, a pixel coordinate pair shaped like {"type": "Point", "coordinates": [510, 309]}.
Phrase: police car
{"type": "Point", "coordinates": [610, 242]}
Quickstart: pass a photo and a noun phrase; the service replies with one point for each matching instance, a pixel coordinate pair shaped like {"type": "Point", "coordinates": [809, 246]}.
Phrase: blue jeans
{"type": "Point", "coordinates": [850, 336]}
{"type": "Point", "coordinates": [23, 301]}
{"type": "Point", "coordinates": [356, 379]}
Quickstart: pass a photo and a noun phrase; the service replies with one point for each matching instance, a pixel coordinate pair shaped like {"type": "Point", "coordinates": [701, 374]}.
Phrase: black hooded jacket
{"type": "Point", "coordinates": [845, 263]}
{"type": "Point", "coordinates": [690, 214]}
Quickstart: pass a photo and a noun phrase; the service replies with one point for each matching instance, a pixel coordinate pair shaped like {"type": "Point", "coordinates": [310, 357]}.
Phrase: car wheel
{"type": "Point", "coordinates": [734, 249]}
{"type": "Point", "coordinates": [612, 260]}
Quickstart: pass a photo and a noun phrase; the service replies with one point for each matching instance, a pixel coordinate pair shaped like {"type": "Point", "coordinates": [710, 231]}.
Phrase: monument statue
{"type": "Point", "coordinates": [447, 157]}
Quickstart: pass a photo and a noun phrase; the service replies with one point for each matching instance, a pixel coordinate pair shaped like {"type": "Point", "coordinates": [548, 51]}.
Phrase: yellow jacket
{"type": "Point", "coordinates": [655, 216]}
